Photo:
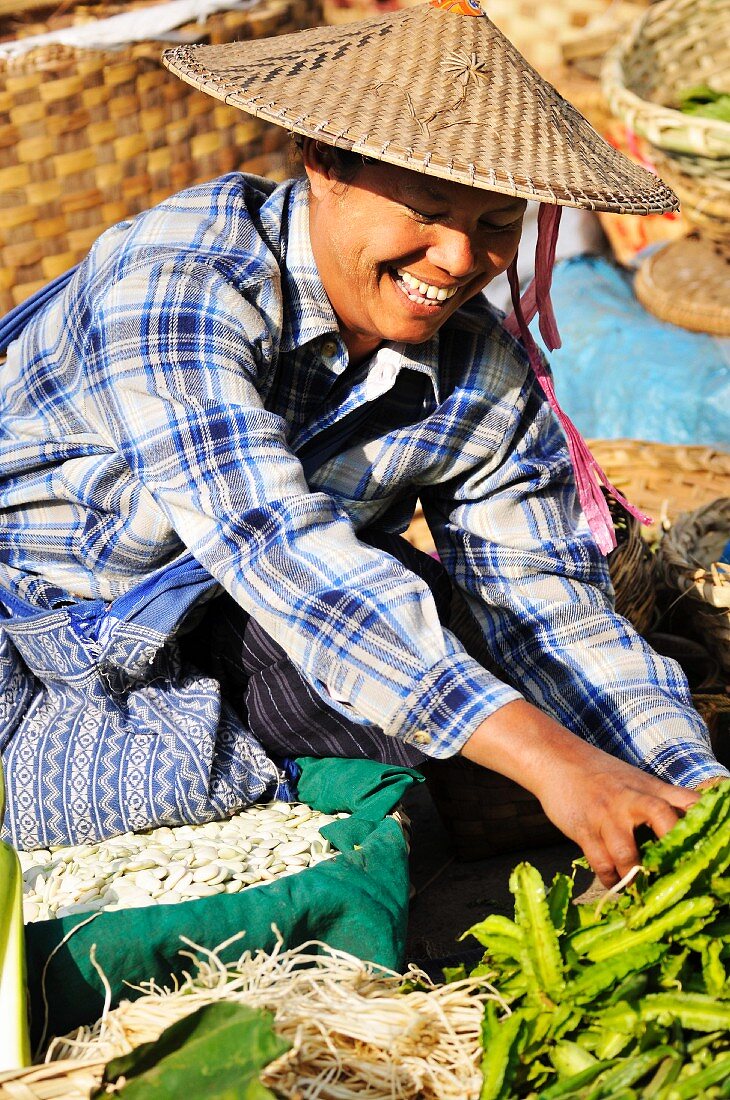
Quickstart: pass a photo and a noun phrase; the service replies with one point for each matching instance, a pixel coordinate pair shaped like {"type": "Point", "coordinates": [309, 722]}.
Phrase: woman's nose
{"type": "Point", "coordinates": [453, 251]}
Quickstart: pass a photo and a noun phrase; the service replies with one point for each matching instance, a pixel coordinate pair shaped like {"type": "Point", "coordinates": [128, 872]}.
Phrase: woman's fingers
{"type": "Point", "coordinates": [612, 850]}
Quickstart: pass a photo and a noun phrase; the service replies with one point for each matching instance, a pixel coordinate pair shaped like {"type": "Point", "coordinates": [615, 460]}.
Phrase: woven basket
{"type": "Point", "coordinates": [664, 479]}
{"type": "Point", "coordinates": [484, 813]}
{"type": "Point", "coordinates": [715, 709]}
{"type": "Point", "coordinates": [632, 571]}
{"type": "Point", "coordinates": [686, 560]}
{"type": "Point", "coordinates": [687, 283]}
{"type": "Point", "coordinates": [91, 137]}
{"type": "Point", "coordinates": [674, 45]}
{"type": "Point", "coordinates": [67, 1080]}
{"type": "Point", "coordinates": [704, 196]}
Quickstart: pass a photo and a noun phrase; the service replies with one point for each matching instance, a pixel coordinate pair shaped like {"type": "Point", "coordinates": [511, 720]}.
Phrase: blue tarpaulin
{"type": "Point", "coordinates": [622, 373]}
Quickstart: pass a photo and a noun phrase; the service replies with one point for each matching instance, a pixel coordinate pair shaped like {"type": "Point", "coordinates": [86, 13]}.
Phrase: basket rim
{"type": "Point", "coordinates": [680, 132]}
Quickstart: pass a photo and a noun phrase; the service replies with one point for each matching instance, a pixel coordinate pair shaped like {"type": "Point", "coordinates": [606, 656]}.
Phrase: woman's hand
{"type": "Point", "coordinates": [594, 798]}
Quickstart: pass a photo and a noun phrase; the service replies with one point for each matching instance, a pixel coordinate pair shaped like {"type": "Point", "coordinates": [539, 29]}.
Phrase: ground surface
{"type": "Point", "coordinates": [450, 895]}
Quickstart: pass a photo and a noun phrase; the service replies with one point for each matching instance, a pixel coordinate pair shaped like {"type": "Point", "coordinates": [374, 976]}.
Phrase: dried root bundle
{"type": "Point", "coordinates": [357, 1030]}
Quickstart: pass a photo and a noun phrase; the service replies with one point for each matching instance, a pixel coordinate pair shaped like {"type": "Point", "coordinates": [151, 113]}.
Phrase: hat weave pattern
{"type": "Point", "coordinates": [428, 89]}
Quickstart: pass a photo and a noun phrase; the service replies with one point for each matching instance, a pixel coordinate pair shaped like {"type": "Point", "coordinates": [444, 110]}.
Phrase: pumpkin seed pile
{"type": "Point", "coordinates": [627, 997]}
{"type": "Point", "coordinates": [169, 865]}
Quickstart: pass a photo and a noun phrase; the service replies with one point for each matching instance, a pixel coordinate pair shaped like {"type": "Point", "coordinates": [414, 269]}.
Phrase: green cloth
{"type": "Point", "coordinates": [357, 902]}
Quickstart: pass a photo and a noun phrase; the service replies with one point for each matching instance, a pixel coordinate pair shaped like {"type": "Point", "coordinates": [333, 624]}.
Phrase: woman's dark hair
{"type": "Point", "coordinates": [343, 162]}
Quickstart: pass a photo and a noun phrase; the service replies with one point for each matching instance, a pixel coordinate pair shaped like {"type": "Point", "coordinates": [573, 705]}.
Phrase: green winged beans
{"type": "Point", "coordinates": [623, 998]}
{"type": "Point", "coordinates": [540, 954]}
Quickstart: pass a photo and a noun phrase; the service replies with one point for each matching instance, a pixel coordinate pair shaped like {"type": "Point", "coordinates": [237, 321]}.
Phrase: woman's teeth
{"type": "Point", "coordinates": [424, 292]}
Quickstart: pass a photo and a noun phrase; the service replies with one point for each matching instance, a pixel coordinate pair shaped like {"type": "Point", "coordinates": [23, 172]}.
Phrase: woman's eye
{"type": "Point", "coordinates": [422, 215]}
{"type": "Point", "coordinates": [510, 227]}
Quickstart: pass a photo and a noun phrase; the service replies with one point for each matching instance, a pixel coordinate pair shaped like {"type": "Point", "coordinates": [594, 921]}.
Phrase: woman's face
{"type": "Point", "coordinates": [399, 252]}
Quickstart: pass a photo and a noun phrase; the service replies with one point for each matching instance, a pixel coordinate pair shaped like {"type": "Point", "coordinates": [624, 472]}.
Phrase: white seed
{"type": "Point", "coordinates": [175, 872]}
{"type": "Point", "coordinates": [31, 911]}
{"type": "Point", "coordinates": [204, 890]}
{"type": "Point", "coordinates": [225, 852]}
{"type": "Point", "coordinates": [206, 872]}
{"type": "Point", "coordinates": [292, 848]}
{"type": "Point", "coordinates": [147, 881]}
{"type": "Point", "coordinates": [169, 865]}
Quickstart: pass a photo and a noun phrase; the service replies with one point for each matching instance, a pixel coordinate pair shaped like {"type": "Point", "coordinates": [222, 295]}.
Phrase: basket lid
{"type": "Point", "coordinates": [687, 282]}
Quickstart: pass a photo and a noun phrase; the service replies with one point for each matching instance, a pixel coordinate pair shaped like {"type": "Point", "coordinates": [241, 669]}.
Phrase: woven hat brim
{"type": "Point", "coordinates": [433, 91]}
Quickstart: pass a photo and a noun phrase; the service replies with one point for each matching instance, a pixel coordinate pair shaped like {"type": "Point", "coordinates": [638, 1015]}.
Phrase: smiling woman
{"type": "Point", "coordinates": [398, 253]}
{"type": "Point", "coordinates": [213, 432]}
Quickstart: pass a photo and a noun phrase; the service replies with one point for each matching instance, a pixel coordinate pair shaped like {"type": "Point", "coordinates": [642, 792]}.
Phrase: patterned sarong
{"type": "Point", "coordinates": [104, 727]}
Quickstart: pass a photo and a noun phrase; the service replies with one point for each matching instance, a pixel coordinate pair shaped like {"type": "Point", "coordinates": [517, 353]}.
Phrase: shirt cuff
{"type": "Point", "coordinates": [685, 765]}
{"type": "Point", "coordinates": [449, 702]}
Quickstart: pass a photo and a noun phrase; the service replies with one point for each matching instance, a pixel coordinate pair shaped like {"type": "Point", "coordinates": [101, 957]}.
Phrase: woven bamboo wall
{"type": "Point", "coordinates": [90, 137]}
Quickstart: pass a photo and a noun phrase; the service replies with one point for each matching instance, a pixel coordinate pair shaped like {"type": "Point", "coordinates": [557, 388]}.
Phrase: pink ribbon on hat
{"type": "Point", "coordinates": [536, 300]}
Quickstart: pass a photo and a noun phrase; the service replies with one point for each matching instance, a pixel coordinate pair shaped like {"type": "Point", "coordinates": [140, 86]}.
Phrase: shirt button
{"type": "Point", "coordinates": [422, 738]}
{"type": "Point", "coordinates": [329, 349]}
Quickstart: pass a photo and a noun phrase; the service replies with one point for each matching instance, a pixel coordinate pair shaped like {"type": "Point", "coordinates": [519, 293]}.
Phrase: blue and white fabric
{"type": "Point", "coordinates": [179, 396]}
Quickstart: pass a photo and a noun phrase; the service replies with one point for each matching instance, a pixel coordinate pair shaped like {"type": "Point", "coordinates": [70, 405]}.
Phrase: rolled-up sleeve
{"type": "Point", "coordinates": [515, 540]}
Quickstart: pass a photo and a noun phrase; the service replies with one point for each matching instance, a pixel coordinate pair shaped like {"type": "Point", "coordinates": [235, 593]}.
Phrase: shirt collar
{"type": "Point", "coordinates": [423, 358]}
{"type": "Point", "coordinates": [308, 314]}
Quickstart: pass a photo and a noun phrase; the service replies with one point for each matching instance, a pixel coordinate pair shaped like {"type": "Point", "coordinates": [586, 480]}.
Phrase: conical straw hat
{"type": "Point", "coordinates": [434, 89]}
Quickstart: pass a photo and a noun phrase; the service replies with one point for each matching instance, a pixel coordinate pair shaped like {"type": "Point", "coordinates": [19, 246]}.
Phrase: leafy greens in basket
{"type": "Point", "coordinates": [624, 998]}
{"type": "Point", "coordinates": [706, 102]}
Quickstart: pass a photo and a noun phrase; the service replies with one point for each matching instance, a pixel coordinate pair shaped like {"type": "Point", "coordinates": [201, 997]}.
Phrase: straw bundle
{"type": "Point", "coordinates": [92, 136]}
{"type": "Point", "coordinates": [354, 1031]}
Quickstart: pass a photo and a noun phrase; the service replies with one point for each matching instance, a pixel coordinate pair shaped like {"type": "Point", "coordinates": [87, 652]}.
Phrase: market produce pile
{"type": "Point", "coordinates": [625, 997]}
{"type": "Point", "coordinates": [169, 865]}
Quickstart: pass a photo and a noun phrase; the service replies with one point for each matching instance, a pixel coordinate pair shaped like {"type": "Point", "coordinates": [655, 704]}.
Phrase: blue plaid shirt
{"type": "Point", "coordinates": [163, 401]}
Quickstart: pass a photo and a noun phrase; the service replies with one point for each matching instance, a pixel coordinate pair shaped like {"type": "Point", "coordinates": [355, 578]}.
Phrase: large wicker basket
{"type": "Point", "coordinates": [704, 196]}
{"type": "Point", "coordinates": [689, 561]}
{"type": "Point", "coordinates": [687, 283]}
{"type": "Point", "coordinates": [676, 44]}
{"type": "Point", "coordinates": [90, 137]}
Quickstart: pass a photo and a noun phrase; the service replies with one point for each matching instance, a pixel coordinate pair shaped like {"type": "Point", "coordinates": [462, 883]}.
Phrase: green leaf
{"type": "Point", "coordinates": [540, 955]}
{"type": "Point", "coordinates": [559, 897]}
{"type": "Point", "coordinates": [705, 101]}
{"type": "Point", "coordinates": [218, 1052]}
{"type": "Point", "coordinates": [500, 1044]}
{"type": "Point", "coordinates": [454, 973]}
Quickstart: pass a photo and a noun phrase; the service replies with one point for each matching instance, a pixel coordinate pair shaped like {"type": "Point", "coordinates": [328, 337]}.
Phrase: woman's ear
{"type": "Point", "coordinates": [318, 166]}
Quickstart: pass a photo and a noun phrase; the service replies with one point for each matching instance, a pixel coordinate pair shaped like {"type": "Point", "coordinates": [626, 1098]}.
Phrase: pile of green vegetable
{"type": "Point", "coordinates": [626, 997]}
{"type": "Point", "coordinates": [706, 102]}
